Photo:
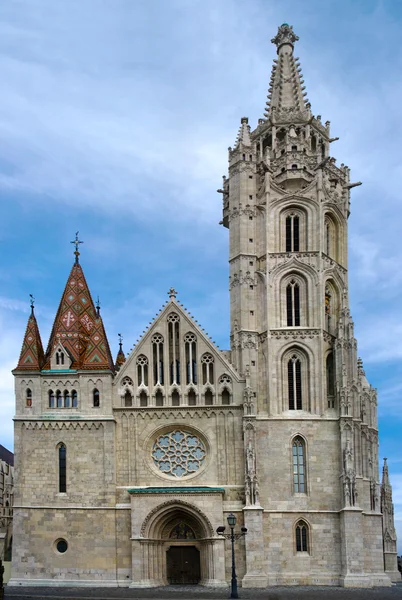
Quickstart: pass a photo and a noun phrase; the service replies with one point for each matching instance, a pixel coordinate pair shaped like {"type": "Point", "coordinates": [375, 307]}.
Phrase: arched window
{"type": "Point", "coordinates": [157, 358]}
{"type": "Point", "coordinates": [29, 397]}
{"type": "Point", "coordinates": [66, 399]}
{"type": "Point", "coordinates": [51, 399]}
{"type": "Point", "coordinates": [192, 398]}
{"type": "Point", "coordinates": [62, 451]}
{"type": "Point", "coordinates": [208, 397]}
{"type": "Point", "coordinates": [128, 399]}
{"type": "Point", "coordinates": [330, 237]}
{"type": "Point", "coordinates": [174, 348]}
{"type": "Point", "coordinates": [190, 341]}
{"type": "Point", "coordinates": [207, 362]}
{"type": "Point", "coordinates": [74, 399]}
{"type": "Point", "coordinates": [295, 383]}
{"type": "Point", "coordinates": [159, 398]}
{"type": "Point", "coordinates": [142, 370]}
{"type": "Point", "coordinates": [330, 371]}
{"type": "Point", "coordinates": [175, 398]}
{"type": "Point", "coordinates": [225, 396]}
{"type": "Point", "coordinates": [293, 304]}
{"type": "Point", "coordinates": [292, 233]}
{"type": "Point", "coordinates": [143, 398]}
{"type": "Point", "coordinates": [96, 398]}
{"type": "Point", "coordinates": [299, 466]}
{"type": "Point", "coordinates": [59, 399]}
{"type": "Point", "coordinates": [302, 537]}
{"type": "Point", "coordinates": [59, 357]}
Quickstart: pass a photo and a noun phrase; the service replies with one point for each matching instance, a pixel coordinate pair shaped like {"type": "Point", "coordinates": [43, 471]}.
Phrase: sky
{"type": "Point", "coordinates": [115, 119]}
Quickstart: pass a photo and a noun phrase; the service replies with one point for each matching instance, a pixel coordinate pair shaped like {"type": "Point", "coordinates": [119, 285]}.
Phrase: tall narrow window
{"type": "Point", "coordinates": [293, 304]}
{"type": "Point", "coordinates": [59, 399]}
{"type": "Point", "coordinates": [175, 398]}
{"type": "Point", "coordinates": [225, 396]}
{"type": "Point", "coordinates": [62, 468]}
{"type": "Point", "coordinates": [96, 398]}
{"type": "Point", "coordinates": [51, 399]}
{"type": "Point", "coordinates": [292, 233]}
{"type": "Point", "coordinates": [174, 348]}
{"type": "Point", "coordinates": [157, 358]}
{"type": "Point", "coordinates": [29, 397]}
{"type": "Point", "coordinates": [294, 383]}
{"type": "Point", "coordinates": [143, 398]}
{"type": "Point", "coordinates": [67, 399]}
{"type": "Point", "coordinates": [330, 380]}
{"type": "Point", "coordinates": [207, 362]}
{"type": "Point", "coordinates": [299, 466]}
{"type": "Point", "coordinates": [128, 399]}
{"type": "Point", "coordinates": [190, 342]}
{"type": "Point", "coordinates": [74, 399]}
{"type": "Point", "coordinates": [302, 541]}
{"type": "Point", "coordinates": [142, 370]}
{"type": "Point", "coordinates": [209, 398]}
{"type": "Point", "coordinates": [159, 398]}
{"type": "Point", "coordinates": [192, 399]}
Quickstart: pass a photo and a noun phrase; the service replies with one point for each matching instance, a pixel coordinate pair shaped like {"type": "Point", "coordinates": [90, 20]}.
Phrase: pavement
{"type": "Point", "coordinates": [195, 592]}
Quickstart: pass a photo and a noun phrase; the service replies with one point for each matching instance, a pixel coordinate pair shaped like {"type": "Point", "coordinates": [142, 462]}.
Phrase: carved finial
{"type": "Point", "coordinates": [172, 293]}
{"type": "Point", "coordinates": [284, 36]}
{"type": "Point", "coordinates": [32, 303]}
{"type": "Point", "coordinates": [76, 242]}
{"type": "Point", "coordinates": [97, 307]}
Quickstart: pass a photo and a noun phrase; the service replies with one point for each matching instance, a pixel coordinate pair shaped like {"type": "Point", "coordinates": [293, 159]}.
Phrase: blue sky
{"type": "Point", "coordinates": [115, 118]}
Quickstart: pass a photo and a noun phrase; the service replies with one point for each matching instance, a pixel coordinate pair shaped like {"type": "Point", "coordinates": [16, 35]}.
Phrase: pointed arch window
{"type": "Point", "coordinates": [74, 399]}
{"type": "Point", "coordinates": [175, 398]}
{"type": "Point", "coordinates": [207, 362]}
{"type": "Point", "coordinates": [142, 370]}
{"type": "Point", "coordinates": [302, 536]}
{"type": "Point", "coordinates": [59, 357]}
{"type": "Point", "coordinates": [157, 358]}
{"type": "Point", "coordinates": [330, 372]}
{"type": "Point", "coordinates": [299, 466]}
{"type": "Point", "coordinates": [159, 398]}
{"type": "Point", "coordinates": [143, 398]}
{"type": "Point", "coordinates": [190, 342]}
{"type": "Point", "coordinates": [51, 399]}
{"type": "Point", "coordinates": [192, 398]}
{"type": "Point", "coordinates": [59, 399]}
{"type": "Point", "coordinates": [174, 347]}
{"type": "Point", "coordinates": [225, 396]}
{"type": "Point", "coordinates": [293, 304]}
{"type": "Point", "coordinates": [292, 233]}
{"type": "Point", "coordinates": [128, 399]}
{"type": "Point", "coordinates": [96, 398]}
{"type": "Point", "coordinates": [62, 457]}
{"type": "Point", "coordinates": [295, 383]}
{"type": "Point", "coordinates": [29, 397]}
{"type": "Point", "coordinates": [208, 397]}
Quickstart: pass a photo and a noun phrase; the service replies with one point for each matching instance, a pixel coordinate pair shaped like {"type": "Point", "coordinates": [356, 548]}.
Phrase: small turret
{"type": "Point", "coordinates": [121, 357]}
{"type": "Point", "coordinates": [32, 356]}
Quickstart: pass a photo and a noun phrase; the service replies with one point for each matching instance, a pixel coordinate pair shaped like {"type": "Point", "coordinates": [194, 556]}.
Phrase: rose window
{"type": "Point", "coordinates": [178, 453]}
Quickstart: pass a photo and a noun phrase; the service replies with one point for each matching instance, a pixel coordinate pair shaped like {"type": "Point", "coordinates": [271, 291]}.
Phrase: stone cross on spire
{"type": "Point", "coordinates": [76, 242]}
{"type": "Point", "coordinates": [172, 293]}
{"type": "Point", "coordinates": [32, 303]}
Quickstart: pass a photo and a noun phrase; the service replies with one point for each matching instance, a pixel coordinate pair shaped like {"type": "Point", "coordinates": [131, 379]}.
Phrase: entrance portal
{"type": "Point", "coordinates": [183, 565]}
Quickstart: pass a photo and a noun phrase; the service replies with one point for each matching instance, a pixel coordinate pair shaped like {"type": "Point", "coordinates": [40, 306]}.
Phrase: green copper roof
{"type": "Point", "coordinates": [176, 490]}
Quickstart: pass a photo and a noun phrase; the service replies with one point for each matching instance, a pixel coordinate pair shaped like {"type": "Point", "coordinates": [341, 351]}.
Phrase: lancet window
{"type": "Point", "coordinates": [128, 399]}
{"type": "Point", "coordinates": [142, 370]}
{"type": "Point", "coordinates": [51, 399]}
{"type": "Point", "coordinates": [157, 357]}
{"type": "Point", "coordinates": [143, 398]}
{"type": "Point", "coordinates": [292, 232]}
{"type": "Point", "coordinates": [74, 399]}
{"type": "Point", "coordinates": [62, 458]}
{"type": "Point", "coordinates": [208, 397]}
{"type": "Point", "coordinates": [192, 397]}
{"type": "Point", "coordinates": [174, 348]}
{"type": "Point", "coordinates": [299, 465]}
{"type": "Point", "coordinates": [295, 383]}
{"type": "Point", "coordinates": [96, 398]}
{"type": "Point", "coordinates": [190, 343]}
{"type": "Point", "coordinates": [67, 399]}
{"type": "Point", "coordinates": [175, 398]}
{"type": "Point", "coordinates": [159, 398]}
{"type": "Point", "coordinates": [293, 304]}
{"type": "Point", "coordinates": [302, 536]}
{"type": "Point", "coordinates": [330, 371]}
{"type": "Point", "coordinates": [59, 357]}
{"type": "Point", "coordinates": [207, 362]}
{"type": "Point", "coordinates": [59, 399]}
{"type": "Point", "coordinates": [29, 397]}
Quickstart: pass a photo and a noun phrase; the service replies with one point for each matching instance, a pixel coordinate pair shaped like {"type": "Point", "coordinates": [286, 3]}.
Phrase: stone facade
{"type": "Point", "coordinates": [6, 503]}
{"type": "Point", "coordinates": [121, 464]}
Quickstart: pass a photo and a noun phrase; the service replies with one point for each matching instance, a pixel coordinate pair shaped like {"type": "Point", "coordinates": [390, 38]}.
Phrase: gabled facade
{"type": "Point", "coordinates": [132, 466]}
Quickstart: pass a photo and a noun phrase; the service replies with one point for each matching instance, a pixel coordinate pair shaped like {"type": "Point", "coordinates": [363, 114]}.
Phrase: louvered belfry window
{"type": "Point", "coordinates": [294, 383]}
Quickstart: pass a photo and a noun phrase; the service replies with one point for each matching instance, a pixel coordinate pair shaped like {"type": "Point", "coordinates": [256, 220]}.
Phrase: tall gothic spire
{"type": "Point", "coordinates": [79, 326]}
{"type": "Point", "coordinates": [243, 135]}
{"type": "Point", "coordinates": [121, 357]}
{"type": "Point", "coordinates": [286, 89]}
{"type": "Point", "coordinates": [32, 356]}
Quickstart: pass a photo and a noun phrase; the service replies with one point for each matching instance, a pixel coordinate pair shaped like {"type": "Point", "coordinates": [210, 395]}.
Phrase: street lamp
{"type": "Point", "coordinates": [232, 536]}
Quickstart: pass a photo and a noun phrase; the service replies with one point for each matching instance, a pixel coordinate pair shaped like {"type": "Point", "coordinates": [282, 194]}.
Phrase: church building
{"type": "Point", "coordinates": [125, 468]}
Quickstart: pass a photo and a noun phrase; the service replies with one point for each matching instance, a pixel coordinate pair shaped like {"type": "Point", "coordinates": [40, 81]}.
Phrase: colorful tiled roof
{"type": "Point", "coordinates": [32, 356]}
{"type": "Point", "coordinates": [79, 327]}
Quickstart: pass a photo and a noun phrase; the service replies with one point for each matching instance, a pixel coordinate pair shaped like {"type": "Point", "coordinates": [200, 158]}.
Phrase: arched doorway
{"type": "Point", "coordinates": [178, 546]}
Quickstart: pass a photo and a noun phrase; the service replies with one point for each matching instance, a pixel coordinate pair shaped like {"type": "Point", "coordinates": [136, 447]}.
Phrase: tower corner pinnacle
{"type": "Point", "coordinates": [285, 36]}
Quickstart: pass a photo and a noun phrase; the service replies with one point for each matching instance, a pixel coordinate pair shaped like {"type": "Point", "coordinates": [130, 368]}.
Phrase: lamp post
{"type": "Point", "coordinates": [232, 536]}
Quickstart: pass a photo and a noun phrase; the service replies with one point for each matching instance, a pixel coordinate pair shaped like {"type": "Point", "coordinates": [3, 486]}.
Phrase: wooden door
{"type": "Point", "coordinates": [183, 565]}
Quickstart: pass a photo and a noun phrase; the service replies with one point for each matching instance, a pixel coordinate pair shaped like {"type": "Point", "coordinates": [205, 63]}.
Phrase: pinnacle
{"type": "Point", "coordinates": [243, 135]}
